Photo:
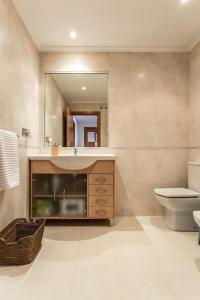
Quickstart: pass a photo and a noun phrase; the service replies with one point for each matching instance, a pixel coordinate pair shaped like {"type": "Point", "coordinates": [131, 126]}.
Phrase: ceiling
{"type": "Point", "coordinates": [112, 25]}
{"type": "Point", "coordinates": [71, 86]}
{"type": "Point", "coordinates": [90, 121]}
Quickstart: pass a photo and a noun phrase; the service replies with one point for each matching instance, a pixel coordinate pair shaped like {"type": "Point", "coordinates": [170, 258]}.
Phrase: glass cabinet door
{"type": "Point", "coordinates": [59, 195]}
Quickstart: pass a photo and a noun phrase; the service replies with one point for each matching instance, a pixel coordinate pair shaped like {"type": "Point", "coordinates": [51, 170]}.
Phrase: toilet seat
{"type": "Point", "coordinates": [176, 193]}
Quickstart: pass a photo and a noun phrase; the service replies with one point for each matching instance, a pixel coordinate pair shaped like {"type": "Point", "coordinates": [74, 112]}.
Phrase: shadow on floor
{"type": "Point", "coordinates": [14, 271]}
{"type": "Point", "coordinates": [159, 223]}
{"type": "Point", "coordinates": [76, 230]}
{"type": "Point", "coordinates": [118, 222]}
{"type": "Point", "coordinates": [77, 223]}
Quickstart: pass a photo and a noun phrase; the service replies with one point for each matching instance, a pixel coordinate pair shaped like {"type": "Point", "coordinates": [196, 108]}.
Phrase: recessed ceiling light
{"type": "Point", "coordinates": [83, 88]}
{"type": "Point", "coordinates": [73, 34]}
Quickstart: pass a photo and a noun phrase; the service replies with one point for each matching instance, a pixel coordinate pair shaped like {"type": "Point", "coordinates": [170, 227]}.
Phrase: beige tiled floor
{"type": "Point", "coordinates": [137, 259]}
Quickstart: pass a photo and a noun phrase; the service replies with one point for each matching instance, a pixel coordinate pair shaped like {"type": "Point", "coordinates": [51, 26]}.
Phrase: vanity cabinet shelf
{"type": "Point", "coordinates": [57, 193]}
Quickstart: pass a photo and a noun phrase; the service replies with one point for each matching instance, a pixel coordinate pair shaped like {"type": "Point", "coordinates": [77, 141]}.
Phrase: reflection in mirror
{"type": "Point", "coordinates": [76, 113]}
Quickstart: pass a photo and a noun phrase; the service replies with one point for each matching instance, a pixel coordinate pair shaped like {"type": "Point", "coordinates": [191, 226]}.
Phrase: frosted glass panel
{"type": "Point", "coordinates": [57, 195]}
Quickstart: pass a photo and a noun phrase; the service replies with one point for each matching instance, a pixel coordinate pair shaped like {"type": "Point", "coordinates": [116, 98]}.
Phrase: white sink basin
{"type": "Point", "coordinates": [70, 161]}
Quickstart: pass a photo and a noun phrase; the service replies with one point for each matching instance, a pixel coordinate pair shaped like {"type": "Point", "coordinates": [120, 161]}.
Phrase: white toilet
{"type": "Point", "coordinates": [196, 216]}
{"type": "Point", "coordinates": [180, 203]}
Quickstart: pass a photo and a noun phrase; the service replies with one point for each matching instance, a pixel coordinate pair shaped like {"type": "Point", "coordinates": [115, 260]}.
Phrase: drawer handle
{"type": "Point", "coordinates": [100, 212]}
{"type": "Point", "coordinates": [100, 201]}
{"type": "Point", "coordinates": [101, 190]}
{"type": "Point", "coordinates": [100, 179]}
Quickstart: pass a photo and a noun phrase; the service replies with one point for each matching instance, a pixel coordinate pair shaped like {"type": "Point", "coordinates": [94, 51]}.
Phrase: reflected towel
{"type": "Point", "coordinates": [9, 160]}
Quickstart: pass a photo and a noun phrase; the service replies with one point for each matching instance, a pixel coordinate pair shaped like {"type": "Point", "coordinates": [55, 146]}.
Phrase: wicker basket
{"type": "Point", "coordinates": [20, 241]}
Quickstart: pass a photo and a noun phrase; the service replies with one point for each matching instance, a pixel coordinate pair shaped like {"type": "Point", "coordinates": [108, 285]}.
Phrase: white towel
{"type": "Point", "coordinates": [9, 160]}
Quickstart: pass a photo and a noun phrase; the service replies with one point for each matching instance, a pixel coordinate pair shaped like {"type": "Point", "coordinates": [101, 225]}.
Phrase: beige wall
{"type": "Point", "coordinates": [148, 113]}
{"type": "Point", "coordinates": [19, 101]}
{"type": "Point", "coordinates": [194, 123]}
{"type": "Point", "coordinates": [54, 108]}
{"type": "Point", "coordinates": [104, 117]}
{"type": "Point", "coordinates": [148, 119]}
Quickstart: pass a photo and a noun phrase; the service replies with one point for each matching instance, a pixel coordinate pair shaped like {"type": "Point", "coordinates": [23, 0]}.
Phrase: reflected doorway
{"type": "Point", "coordinates": [90, 137]}
{"type": "Point", "coordinates": [87, 128]}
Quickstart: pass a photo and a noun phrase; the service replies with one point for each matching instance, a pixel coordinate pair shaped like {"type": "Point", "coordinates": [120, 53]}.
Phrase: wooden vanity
{"type": "Point", "coordinates": [92, 187]}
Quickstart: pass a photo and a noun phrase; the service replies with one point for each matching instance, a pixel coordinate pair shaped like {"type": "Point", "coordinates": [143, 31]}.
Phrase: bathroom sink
{"type": "Point", "coordinates": [71, 161]}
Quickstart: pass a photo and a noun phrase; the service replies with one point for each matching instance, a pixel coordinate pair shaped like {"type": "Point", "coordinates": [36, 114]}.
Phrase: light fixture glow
{"type": "Point", "coordinates": [183, 2]}
{"type": "Point", "coordinates": [141, 75]}
{"type": "Point", "coordinates": [73, 34]}
{"type": "Point", "coordinates": [83, 88]}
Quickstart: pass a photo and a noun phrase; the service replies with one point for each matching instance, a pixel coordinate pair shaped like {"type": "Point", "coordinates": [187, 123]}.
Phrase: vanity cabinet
{"type": "Point", "coordinates": [57, 193]}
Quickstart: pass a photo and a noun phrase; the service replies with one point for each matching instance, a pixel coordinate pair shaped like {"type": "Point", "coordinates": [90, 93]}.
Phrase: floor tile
{"type": "Point", "coordinates": [95, 253]}
{"type": "Point", "coordinates": [96, 234]}
{"type": "Point", "coordinates": [54, 282]}
{"type": "Point", "coordinates": [12, 279]}
{"type": "Point", "coordinates": [142, 281]}
{"type": "Point", "coordinates": [95, 282]}
{"type": "Point", "coordinates": [54, 252]}
{"type": "Point", "coordinates": [137, 258]}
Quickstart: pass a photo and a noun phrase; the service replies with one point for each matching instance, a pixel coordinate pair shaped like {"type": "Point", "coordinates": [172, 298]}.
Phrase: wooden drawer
{"type": "Point", "coordinates": [100, 212]}
{"type": "Point", "coordinates": [100, 178]}
{"type": "Point", "coordinates": [102, 201]}
{"type": "Point", "coordinates": [102, 166]}
{"type": "Point", "coordinates": [101, 190]}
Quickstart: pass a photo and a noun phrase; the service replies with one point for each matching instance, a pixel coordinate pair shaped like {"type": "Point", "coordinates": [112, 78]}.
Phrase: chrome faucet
{"type": "Point", "coordinates": [75, 151]}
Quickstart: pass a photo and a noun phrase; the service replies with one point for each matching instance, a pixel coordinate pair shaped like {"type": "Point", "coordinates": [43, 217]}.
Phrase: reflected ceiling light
{"type": "Point", "coordinates": [83, 88]}
{"type": "Point", "coordinates": [141, 75]}
{"type": "Point", "coordinates": [73, 34]}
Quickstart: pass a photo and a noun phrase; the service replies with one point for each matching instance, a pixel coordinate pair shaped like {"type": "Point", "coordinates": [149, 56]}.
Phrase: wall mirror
{"type": "Point", "coordinates": [76, 109]}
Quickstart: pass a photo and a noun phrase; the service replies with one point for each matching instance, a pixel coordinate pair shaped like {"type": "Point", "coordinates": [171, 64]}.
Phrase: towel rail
{"type": "Point", "coordinates": [25, 133]}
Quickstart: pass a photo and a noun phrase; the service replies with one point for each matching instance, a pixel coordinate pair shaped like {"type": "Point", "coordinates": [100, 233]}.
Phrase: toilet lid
{"type": "Point", "coordinates": [176, 193]}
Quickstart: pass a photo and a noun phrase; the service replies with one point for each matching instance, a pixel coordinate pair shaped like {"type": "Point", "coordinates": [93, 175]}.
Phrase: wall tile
{"type": "Point", "coordinates": [194, 121]}
{"type": "Point", "coordinates": [19, 101]}
{"type": "Point", "coordinates": [148, 107]}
